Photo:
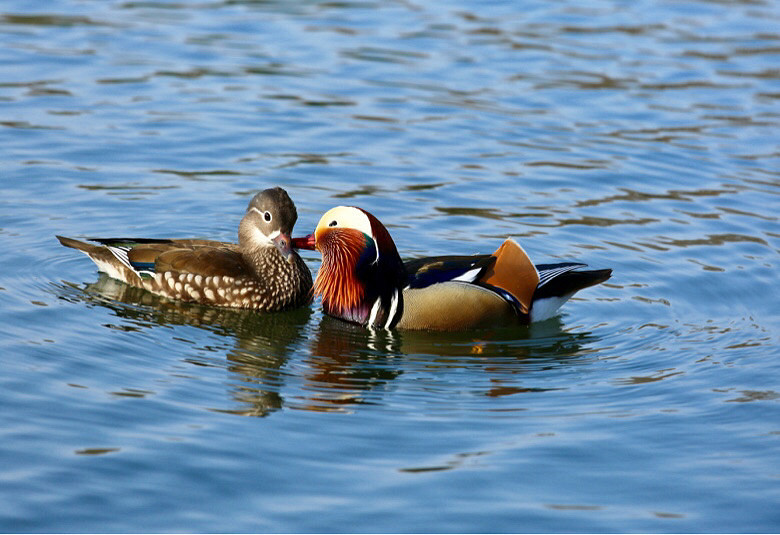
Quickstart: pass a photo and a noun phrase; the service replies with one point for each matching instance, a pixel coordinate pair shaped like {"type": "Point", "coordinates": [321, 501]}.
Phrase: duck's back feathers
{"type": "Point", "coordinates": [205, 260]}
{"type": "Point", "coordinates": [146, 256]}
{"type": "Point", "coordinates": [508, 271]}
{"type": "Point", "coordinates": [424, 272]}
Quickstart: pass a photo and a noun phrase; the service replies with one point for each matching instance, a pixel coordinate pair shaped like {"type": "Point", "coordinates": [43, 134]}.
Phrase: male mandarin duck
{"type": "Point", "coordinates": [363, 280]}
{"type": "Point", "coordinates": [261, 272]}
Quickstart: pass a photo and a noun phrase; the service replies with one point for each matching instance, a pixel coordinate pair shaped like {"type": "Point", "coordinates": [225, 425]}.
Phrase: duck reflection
{"type": "Point", "coordinates": [338, 366]}
{"type": "Point", "coordinates": [261, 343]}
{"type": "Point", "coordinates": [349, 364]}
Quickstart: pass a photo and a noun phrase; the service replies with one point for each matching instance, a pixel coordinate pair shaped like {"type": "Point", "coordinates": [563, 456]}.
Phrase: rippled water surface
{"type": "Point", "coordinates": [641, 136]}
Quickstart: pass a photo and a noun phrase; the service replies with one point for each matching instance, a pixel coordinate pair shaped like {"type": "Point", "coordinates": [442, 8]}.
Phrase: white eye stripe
{"type": "Point", "coordinates": [267, 216]}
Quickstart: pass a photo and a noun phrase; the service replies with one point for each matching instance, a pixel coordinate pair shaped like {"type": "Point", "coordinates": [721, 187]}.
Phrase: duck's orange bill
{"type": "Point", "coordinates": [307, 242]}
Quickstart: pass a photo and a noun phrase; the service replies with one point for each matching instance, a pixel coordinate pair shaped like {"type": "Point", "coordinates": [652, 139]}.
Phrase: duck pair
{"type": "Point", "coordinates": [362, 278]}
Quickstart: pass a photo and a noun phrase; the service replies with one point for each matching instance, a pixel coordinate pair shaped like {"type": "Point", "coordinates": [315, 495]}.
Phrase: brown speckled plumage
{"type": "Point", "coordinates": [261, 272]}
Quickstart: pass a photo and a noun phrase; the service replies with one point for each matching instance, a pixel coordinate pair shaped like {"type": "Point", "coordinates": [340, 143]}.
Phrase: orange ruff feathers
{"type": "Point", "coordinates": [336, 281]}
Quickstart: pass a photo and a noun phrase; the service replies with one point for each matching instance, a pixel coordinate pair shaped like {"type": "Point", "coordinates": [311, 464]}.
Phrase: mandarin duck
{"type": "Point", "coordinates": [363, 280]}
{"type": "Point", "coordinates": [261, 272]}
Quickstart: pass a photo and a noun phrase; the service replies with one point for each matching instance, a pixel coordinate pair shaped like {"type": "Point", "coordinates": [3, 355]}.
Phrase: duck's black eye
{"type": "Point", "coordinates": [267, 216]}
{"type": "Point", "coordinates": [332, 223]}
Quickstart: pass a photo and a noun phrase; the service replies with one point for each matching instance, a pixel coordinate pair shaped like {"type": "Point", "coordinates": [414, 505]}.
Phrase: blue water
{"type": "Point", "coordinates": [639, 136]}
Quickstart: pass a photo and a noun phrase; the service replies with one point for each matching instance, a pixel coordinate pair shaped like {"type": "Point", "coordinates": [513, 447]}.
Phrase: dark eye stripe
{"type": "Point", "coordinates": [332, 223]}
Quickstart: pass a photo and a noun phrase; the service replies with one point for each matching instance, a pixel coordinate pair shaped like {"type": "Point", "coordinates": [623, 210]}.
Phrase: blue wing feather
{"type": "Point", "coordinates": [143, 266]}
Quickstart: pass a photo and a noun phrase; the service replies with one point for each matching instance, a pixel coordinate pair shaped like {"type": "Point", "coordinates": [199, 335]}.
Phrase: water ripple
{"type": "Point", "coordinates": [636, 136]}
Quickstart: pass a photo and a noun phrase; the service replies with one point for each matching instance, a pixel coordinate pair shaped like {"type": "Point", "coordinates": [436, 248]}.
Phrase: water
{"type": "Point", "coordinates": [640, 136]}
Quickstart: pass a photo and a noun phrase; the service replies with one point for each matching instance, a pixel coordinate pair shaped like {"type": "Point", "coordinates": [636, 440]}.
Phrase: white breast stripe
{"type": "Point", "coordinates": [393, 309]}
{"type": "Point", "coordinates": [374, 312]}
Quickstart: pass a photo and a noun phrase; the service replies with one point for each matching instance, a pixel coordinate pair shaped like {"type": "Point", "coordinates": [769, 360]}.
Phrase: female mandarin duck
{"type": "Point", "coordinates": [363, 280]}
{"type": "Point", "coordinates": [262, 272]}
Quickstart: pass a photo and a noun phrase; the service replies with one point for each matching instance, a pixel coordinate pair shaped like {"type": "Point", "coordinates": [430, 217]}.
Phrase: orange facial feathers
{"type": "Point", "coordinates": [336, 280]}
